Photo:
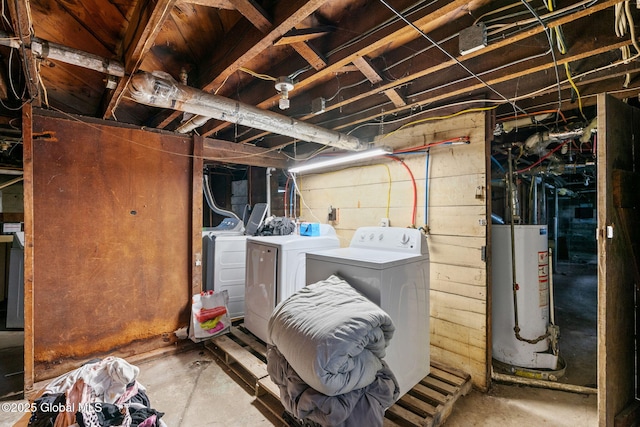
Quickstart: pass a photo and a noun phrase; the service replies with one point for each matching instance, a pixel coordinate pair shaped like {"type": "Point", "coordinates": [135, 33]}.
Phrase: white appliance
{"type": "Point", "coordinates": [275, 269]}
{"type": "Point", "coordinates": [390, 266]}
{"type": "Point", "coordinates": [532, 277]}
{"type": "Point", "coordinates": [15, 297]}
{"type": "Point", "coordinates": [224, 256]}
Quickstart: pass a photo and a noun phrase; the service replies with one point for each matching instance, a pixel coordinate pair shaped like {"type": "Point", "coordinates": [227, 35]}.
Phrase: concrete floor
{"type": "Point", "coordinates": [194, 389]}
{"type": "Point", "coordinates": [576, 296]}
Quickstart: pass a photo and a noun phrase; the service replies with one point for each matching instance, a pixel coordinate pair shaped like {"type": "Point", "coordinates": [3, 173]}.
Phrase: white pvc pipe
{"type": "Point", "coordinates": [160, 90]}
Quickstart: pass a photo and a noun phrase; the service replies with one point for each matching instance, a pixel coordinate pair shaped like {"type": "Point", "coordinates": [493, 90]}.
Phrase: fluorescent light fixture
{"type": "Point", "coordinates": [360, 155]}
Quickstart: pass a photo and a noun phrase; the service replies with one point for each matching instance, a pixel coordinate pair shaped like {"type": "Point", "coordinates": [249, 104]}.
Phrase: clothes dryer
{"type": "Point", "coordinates": [390, 266]}
{"type": "Point", "coordinates": [275, 269]}
{"type": "Point", "coordinates": [224, 256]}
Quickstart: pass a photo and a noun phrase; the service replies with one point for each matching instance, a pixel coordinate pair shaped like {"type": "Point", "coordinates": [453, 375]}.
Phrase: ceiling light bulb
{"type": "Point", "coordinates": [284, 85]}
{"type": "Point", "coordinates": [283, 102]}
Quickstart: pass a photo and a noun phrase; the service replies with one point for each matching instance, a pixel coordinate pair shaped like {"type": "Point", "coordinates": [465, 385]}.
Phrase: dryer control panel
{"type": "Point", "coordinates": [409, 240]}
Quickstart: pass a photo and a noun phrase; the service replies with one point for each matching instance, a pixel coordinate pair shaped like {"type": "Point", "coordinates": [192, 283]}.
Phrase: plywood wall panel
{"type": "Point", "coordinates": [111, 238]}
{"type": "Point", "coordinates": [463, 190]}
{"type": "Point", "coordinates": [464, 289]}
{"type": "Point", "coordinates": [450, 273]}
{"type": "Point", "coordinates": [448, 334]}
{"type": "Point", "coordinates": [456, 251]}
{"type": "Point", "coordinates": [457, 217]}
{"type": "Point", "coordinates": [458, 220]}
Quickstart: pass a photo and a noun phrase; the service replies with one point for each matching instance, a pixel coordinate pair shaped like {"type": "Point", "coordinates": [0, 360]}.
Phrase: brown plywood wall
{"type": "Point", "coordinates": [457, 217]}
{"type": "Point", "coordinates": [111, 240]}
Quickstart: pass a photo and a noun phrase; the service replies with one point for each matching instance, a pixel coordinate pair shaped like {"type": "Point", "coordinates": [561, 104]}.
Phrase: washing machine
{"type": "Point", "coordinates": [390, 266]}
{"type": "Point", "coordinates": [224, 256]}
{"type": "Point", "coordinates": [275, 269]}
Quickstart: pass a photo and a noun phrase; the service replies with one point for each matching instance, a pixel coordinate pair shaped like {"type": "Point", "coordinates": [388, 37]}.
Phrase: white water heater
{"type": "Point", "coordinates": [533, 304]}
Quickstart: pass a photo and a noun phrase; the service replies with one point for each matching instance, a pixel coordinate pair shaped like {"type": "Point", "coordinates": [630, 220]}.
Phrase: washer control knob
{"type": "Point", "coordinates": [404, 239]}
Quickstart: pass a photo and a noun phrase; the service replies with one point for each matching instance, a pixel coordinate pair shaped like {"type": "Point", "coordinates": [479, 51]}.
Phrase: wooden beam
{"type": "Point", "coordinates": [242, 154]}
{"type": "Point", "coordinates": [397, 33]}
{"type": "Point", "coordinates": [254, 13]}
{"type": "Point", "coordinates": [395, 97]}
{"type": "Point", "coordinates": [247, 8]}
{"type": "Point", "coordinates": [367, 69]}
{"type": "Point", "coordinates": [251, 44]}
{"type": "Point", "coordinates": [375, 76]}
{"type": "Point", "coordinates": [4, 89]}
{"type": "Point", "coordinates": [301, 35]}
{"type": "Point", "coordinates": [441, 67]}
{"type": "Point", "coordinates": [310, 54]}
{"type": "Point", "coordinates": [436, 69]}
{"type": "Point", "coordinates": [146, 22]}
{"type": "Point", "coordinates": [297, 39]}
{"type": "Point", "coordinates": [21, 20]}
{"type": "Point", "coordinates": [196, 216]}
{"type": "Point", "coordinates": [217, 4]}
{"type": "Point", "coordinates": [27, 161]}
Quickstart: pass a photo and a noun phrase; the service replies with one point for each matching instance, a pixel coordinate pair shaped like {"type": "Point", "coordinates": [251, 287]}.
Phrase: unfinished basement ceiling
{"type": "Point", "coordinates": [358, 67]}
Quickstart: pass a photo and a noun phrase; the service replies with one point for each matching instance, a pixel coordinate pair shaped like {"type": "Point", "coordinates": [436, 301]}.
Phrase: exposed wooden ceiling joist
{"type": "Point", "coordinates": [252, 43]}
{"type": "Point", "coordinates": [242, 154]}
{"type": "Point", "coordinates": [326, 48]}
{"type": "Point", "coordinates": [21, 20]}
{"type": "Point", "coordinates": [395, 32]}
{"type": "Point", "coordinates": [374, 76]}
{"type": "Point", "coordinates": [444, 67]}
{"type": "Point", "coordinates": [145, 23]}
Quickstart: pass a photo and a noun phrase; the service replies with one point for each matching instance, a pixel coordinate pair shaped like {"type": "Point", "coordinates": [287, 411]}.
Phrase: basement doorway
{"type": "Point", "coordinates": [11, 283]}
{"type": "Point", "coordinates": [553, 192]}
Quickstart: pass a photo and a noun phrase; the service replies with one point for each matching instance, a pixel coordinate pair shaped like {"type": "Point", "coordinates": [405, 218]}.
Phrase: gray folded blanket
{"type": "Point", "coordinates": [332, 336]}
{"type": "Point", "coordinates": [360, 407]}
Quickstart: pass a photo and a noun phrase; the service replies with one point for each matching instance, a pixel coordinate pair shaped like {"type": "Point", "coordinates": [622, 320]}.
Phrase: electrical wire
{"type": "Point", "coordinates": [461, 139]}
{"type": "Point", "coordinates": [553, 55]}
{"type": "Point", "coordinates": [535, 113]}
{"type": "Point", "coordinates": [415, 190]}
{"type": "Point", "coordinates": [562, 48]}
{"type": "Point", "coordinates": [258, 75]}
{"type": "Point", "coordinates": [430, 40]}
{"type": "Point", "coordinates": [501, 67]}
{"type": "Point", "coordinates": [295, 184]}
{"type": "Point", "coordinates": [416, 122]}
{"type": "Point", "coordinates": [499, 10]}
{"type": "Point", "coordinates": [522, 25]}
{"type": "Point", "coordinates": [575, 88]}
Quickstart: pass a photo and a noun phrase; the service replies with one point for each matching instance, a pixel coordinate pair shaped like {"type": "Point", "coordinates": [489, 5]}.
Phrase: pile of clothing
{"type": "Point", "coordinates": [326, 356]}
{"type": "Point", "coordinates": [99, 393]}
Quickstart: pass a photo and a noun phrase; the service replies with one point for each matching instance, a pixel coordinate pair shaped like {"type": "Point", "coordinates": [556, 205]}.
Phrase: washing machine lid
{"type": "Point", "coordinates": [295, 241]}
{"type": "Point", "coordinates": [360, 257]}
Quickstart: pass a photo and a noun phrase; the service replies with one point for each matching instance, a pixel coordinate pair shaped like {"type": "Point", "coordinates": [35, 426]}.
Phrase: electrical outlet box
{"type": "Point", "coordinates": [317, 105]}
{"type": "Point", "coordinates": [472, 38]}
{"type": "Point", "coordinates": [332, 216]}
{"type": "Point", "coordinates": [384, 222]}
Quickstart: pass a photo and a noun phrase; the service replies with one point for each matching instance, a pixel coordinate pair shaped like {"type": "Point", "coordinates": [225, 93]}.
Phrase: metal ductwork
{"type": "Point", "coordinates": [161, 90]}
{"type": "Point", "coordinates": [48, 50]}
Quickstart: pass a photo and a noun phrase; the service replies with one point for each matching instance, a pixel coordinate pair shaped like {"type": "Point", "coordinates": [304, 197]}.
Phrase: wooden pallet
{"type": "Point", "coordinates": [428, 404]}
